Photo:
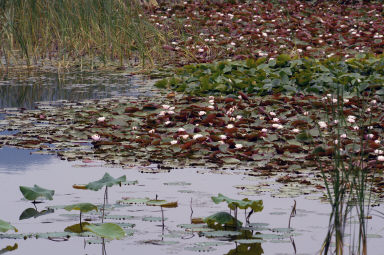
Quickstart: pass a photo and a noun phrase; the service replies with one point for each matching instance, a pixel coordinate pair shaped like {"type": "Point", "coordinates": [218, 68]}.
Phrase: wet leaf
{"type": "Point", "coordinates": [107, 181]}
{"type": "Point", "coordinates": [35, 192]}
{"type": "Point", "coordinates": [107, 230]}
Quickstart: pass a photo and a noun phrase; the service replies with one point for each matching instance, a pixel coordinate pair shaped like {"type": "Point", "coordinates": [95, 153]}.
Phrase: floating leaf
{"type": "Point", "coordinates": [107, 230]}
{"type": "Point", "coordinates": [35, 192]}
{"type": "Point", "coordinates": [255, 205]}
{"type": "Point", "coordinates": [5, 226]}
{"type": "Point", "coordinates": [162, 203]}
{"type": "Point", "coordinates": [82, 207]}
{"type": "Point", "coordinates": [107, 181]}
{"type": "Point", "coordinates": [77, 228]}
{"type": "Point", "coordinates": [222, 219]}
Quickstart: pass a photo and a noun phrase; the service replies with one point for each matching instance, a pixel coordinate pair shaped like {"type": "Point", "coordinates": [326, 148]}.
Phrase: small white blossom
{"type": "Point", "coordinates": [351, 119]}
{"type": "Point", "coordinates": [380, 158]}
{"type": "Point", "coordinates": [336, 121]}
{"type": "Point", "coordinates": [197, 136]}
{"type": "Point", "coordinates": [272, 114]}
{"type": "Point", "coordinates": [185, 136]}
{"type": "Point", "coordinates": [239, 117]}
{"type": "Point", "coordinates": [355, 127]}
{"type": "Point", "coordinates": [334, 100]}
{"type": "Point", "coordinates": [278, 126]}
{"type": "Point", "coordinates": [174, 142]}
{"type": "Point", "coordinates": [151, 131]}
{"type": "Point", "coordinates": [238, 146]}
{"type": "Point", "coordinates": [306, 113]}
{"type": "Point", "coordinates": [201, 113]}
{"type": "Point", "coordinates": [261, 117]}
{"type": "Point", "coordinates": [165, 106]}
{"type": "Point", "coordinates": [95, 137]}
{"type": "Point", "coordinates": [101, 119]}
{"type": "Point", "coordinates": [322, 124]}
{"type": "Point", "coordinates": [223, 137]}
{"type": "Point", "coordinates": [370, 136]}
{"type": "Point", "coordinates": [181, 130]}
{"type": "Point", "coordinates": [295, 130]}
{"type": "Point", "coordinates": [171, 112]}
{"type": "Point", "coordinates": [162, 113]}
{"type": "Point", "coordinates": [211, 107]}
{"type": "Point", "coordinates": [378, 152]}
{"type": "Point", "coordinates": [276, 120]}
{"type": "Point", "coordinates": [377, 141]}
{"type": "Point", "coordinates": [346, 101]}
{"type": "Point", "coordinates": [374, 102]}
{"type": "Point", "coordinates": [336, 141]}
{"type": "Point", "coordinates": [230, 126]}
{"type": "Point", "coordinates": [343, 135]}
{"type": "Point", "coordinates": [167, 122]}
{"type": "Point", "coordinates": [221, 142]}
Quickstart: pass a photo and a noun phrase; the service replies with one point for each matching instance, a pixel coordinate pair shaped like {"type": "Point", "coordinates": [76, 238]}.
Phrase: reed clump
{"type": "Point", "coordinates": [76, 32]}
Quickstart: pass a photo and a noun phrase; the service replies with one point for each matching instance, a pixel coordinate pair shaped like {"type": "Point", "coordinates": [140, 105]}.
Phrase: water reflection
{"type": "Point", "coordinates": [75, 86]}
{"type": "Point", "coordinates": [14, 160]}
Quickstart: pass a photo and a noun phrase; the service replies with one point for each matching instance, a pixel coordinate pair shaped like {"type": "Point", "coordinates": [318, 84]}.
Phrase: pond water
{"type": "Point", "coordinates": [190, 187]}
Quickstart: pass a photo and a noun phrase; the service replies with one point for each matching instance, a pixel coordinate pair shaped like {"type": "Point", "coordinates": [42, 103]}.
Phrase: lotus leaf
{"type": "Point", "coordinates": [77, 228]}
{"type": "Point", "coordinates": [222, 219]}
{"type": "Point", "coordinates": [107, 230]}
{"type": "Point", "coordinates": [107, 181]}
{"type": "Point", "coordinates": [82, 207]}
{"type": "Point", "coordinates": [35, 192]}
{"type": "Point", "coordinates": [5, 226]}
{"type": "Point", "coordinates": [162, 203]}
{"type": "Point", "coordinates": [255, 205]}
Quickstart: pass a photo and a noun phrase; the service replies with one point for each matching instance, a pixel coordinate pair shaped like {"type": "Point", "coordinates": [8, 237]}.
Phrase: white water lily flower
{"type": "Point", "coordinates": [346, 101]}
{"type": "Point", "coordinates": [351, 118]}
{"type": "Point", "coordinates": [239, 117]}
{"type": "Point", "coordinates": [95, 137]}
{"type": "Point", "coordinates": [264, 130]}
{"type": "Point", "coordinates": [306, 113]}
{"type": "Point", "coordinates": [162, 113]}
{"type": "Point", "coordinates": [167, 122]}
{"type": "Point", "coordinates": [322, 124]}
{"type": "Point", "coordinates": [134, 128]}
{"type": "Point", "coordinates": [334, 100]}
{"type": "Point", "coordinates": [355, 128]}
{"type": "Point", "coordinates": [230, 126]}
{"type": "Point", "coordinates": [380, 158]}
{"type": "Point", "coordinates": [171, 112]}
{"type": "Point", "coordinates": [201, 113]}
{"type": "Point", "coordinates": [232, 119]}
{"type": "Point", "coordinates": [276, 120]}
{"type": "Point", "coordinates": [377, 141]}
{"type": "Point", "coordinates": [336, 141]}
{"type": "Point", "coordinates": [370, 136]}
{"type": "Point", "coordinates": [278, 126]}
{"type": "Point", "coordinates": [336, 121]}
{"type": "Point", "coordinates": [101, 119]}
{"type": "Point", "coordinates": [211, 97]}
{"type": "Point", "coordinates": [261, 117]}
{"type": "Point", "coordinates": [343, 135]}
{"type": "Point", "coordinates": [221, 142]}
{"type": "Point", "coordinates": [151, 131]}
{"type": "Point", "coordinates": [272, 114]}
{"type": "Point", "coordinates": [374, 102]}
{"type": "Point", "coordinates": [211, 107]}
{"type": "Point", "coordinates": [238, 146]}
{"type": "Point", "coordinates": [185, 137]}
{"type": "Point", "coordinates": [197, 136]}
{"type": "Point", "coordinates": [296, 130]}
{"type": "Point", "coordinates": [174, 142]}
{"type": "Point", "coordinates": [181, 130]}
{"type": "Point", "coordinates": [212, 101]}
{"type": "Point", "coordinates": [379, 152]}
{"type": "Point", "coordinates": [223, 137]}
{"type": "Point", "coordinates": [165, 106]}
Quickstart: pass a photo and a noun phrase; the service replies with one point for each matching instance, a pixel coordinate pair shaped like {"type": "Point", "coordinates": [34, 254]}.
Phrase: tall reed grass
{"type": "Point", "coordinates": [348, 179]}
{"type": "Point", "coordinates": [81, 31]}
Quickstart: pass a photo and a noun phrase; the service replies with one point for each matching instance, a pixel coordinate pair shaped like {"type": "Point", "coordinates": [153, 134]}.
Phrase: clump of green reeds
{"type": "Point", "coordinates": [347, 177]}
{"type": "Point", "coordinates": [69, 31]}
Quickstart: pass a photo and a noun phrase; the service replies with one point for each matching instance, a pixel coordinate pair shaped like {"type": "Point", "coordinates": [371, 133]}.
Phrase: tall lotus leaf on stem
{"type": "Point", "coordinates": [5, 226]}
{"type": "Point", "coordinates": [234, 204]}
{"type": "Point", "coordinates": [106, 181]}
{"type": "Point", "coordinates": [107, 230]}
{"type": "Point", "coordinates": [222, 219]}
{"type": "Point", "coordinates": [35, 192]}
{"type": "Point", "coordinates": [83, 208]}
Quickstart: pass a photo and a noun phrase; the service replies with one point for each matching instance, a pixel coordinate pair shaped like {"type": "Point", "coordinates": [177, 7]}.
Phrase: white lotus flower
{"type": "Point", "coordinates": [355, 128]}
{"type": "Point", "coordinates": [322, 124]}
{"type": "Point", "coordinates": [174, 142]}
{"type": "Point", "coordinates": [343, 136]}
{"type": "Point", "coordinates": [197, 136]}
{"type": "Point", "coordinates": [239, 117]}
{"type": "Point", "coordinates": [379, 152]}
{"type": "Point", "coordinates": [264, 130]}
{"type": "Point", "coordinates": [276, 120]}
{"type": "Point", "coordinates": [95, 137]}
{"type": "Point", "coordinates": [165, 106]}
{"type": "Point", "coordinates": [295, 130]}
{"type": "Point", "coordinates": [238, 146]}
{"type": "Point", "coordinates": [380, 158]}
{"type": "Point", "coordinates": [101, 119]}
{"type": "Point", "coordinates": [181, 130]}
{"type": "Point", "coordinates": [223, 137]}
{"type": "Point", "coordinates": [185, 137]}
{"type": "Point", "coordinates": [151, 131]}
{"type": "Point", "coordinates": [230, 126]}
{"type": "Point", "coordinates": [272, 114]}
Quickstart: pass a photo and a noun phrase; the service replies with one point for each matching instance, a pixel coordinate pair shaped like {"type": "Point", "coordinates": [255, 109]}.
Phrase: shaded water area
{"type": "Point", "coordinates": [192, 188]}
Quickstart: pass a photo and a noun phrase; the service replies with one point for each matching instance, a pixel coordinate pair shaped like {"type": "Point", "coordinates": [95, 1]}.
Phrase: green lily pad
{"type": "Point", "coordinates": [221, 233]}
{"type": "Point", "coordinates": [5, 226]}
{"type": "Point", "coordinates": [247, 241]}
{"type": "Point", "coordinates": [107, 230]}
{"type": "Point", "coordinates": [222, 219]}
{"type": "Point", "coordinates": [77, 228]}
{"type": "Point", "coordinates": [35, 192]}
{"type": "Point", "coordinates": [107, 181]}
{"type": "Point", "coordinates": [82, 207]}
{"type": "Point", "coordinates": [255, 205]}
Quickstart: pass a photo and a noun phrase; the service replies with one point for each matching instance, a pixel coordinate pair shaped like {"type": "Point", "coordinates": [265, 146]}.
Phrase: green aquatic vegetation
{"type": "Point", "coordinates": [234, 204]}
{"type": "Point", "coordinates": [6, 226]}
{"type": "Point", "coordinates": [83, 208]}
{"type": "Point", "coordinates": [32, 212]}
{"type": "Point", "coordinates": [106, 181]}
{"type": "Point", "coordinates": [281, 75]}
{"type": "Point", "coordinates": [106, 230]}
{"type": "Point", "coordinates": [222, 220]}
{"type": "Point", "coordinates": [9, 248]}
{"type": "Point", "coordinates": [35, 192]}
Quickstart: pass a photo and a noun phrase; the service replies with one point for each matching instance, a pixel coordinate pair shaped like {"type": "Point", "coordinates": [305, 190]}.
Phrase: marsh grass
{"type": "Point", "coordinates": [81, 32]}
{"type": "Point", "coordinates": [348, 182]}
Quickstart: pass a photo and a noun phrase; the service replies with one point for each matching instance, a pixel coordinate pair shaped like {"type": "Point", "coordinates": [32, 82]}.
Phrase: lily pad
{"type": "Point", "coordinates": [107, 230]}
{"type": "Point", "coordinates": [82, 207]}
{"type": "Point", "coordinates": [5, 226]}
{"type": "Point", "coordinates": [107, 181]}
{"type": "Point", "coordinates": [255, 205]}
{"type": "Point", "coordinates": [35, 192]}
{"type": "Point", "coordinates": [222, 219]}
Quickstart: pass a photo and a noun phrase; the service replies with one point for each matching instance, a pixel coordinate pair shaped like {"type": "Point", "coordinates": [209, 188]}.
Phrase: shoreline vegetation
{"type": "Point", "coordinates": [115, 35]}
